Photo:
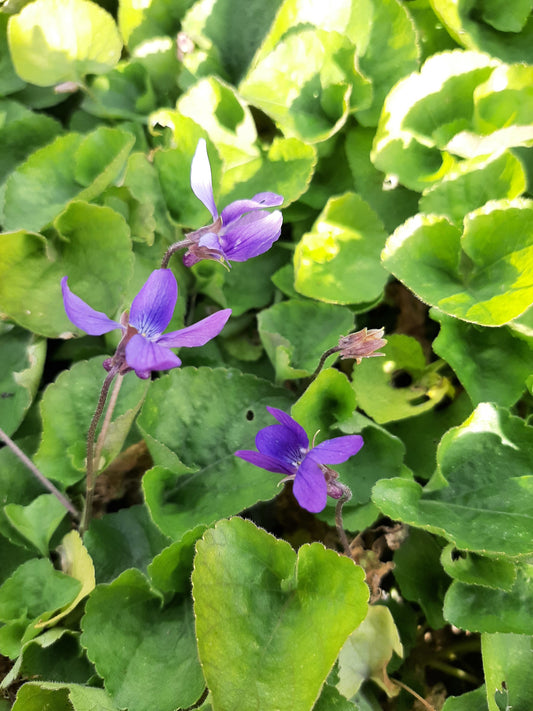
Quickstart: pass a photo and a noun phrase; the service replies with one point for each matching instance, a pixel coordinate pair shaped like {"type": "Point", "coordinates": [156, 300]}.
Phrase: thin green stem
{"type": "Point", "coordinates": [107, 418]}
{"type": "Point", "coordinates": [91, 478]}
{"type": "Point", "coordinates": [39, 475]}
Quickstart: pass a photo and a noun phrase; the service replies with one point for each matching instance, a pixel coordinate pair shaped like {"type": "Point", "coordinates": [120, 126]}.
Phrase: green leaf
{"type": "Point", "coordinates": [391, 201]}
{"type": "Point", "coordinates": [507, 665]}
{"type": "Point", "coordinates": [149, 643]}
{"type": "Point", "coordinates": [420, 575]}
{"type": "Point", "coordinates": [475, 569]}
{"type": "Point", "coordinates": [476, 276]}
{"type": "Point", "coordinates": [153, 18]}
{"type": "Point", "coordinates": [72, 166]}
{"type": "Point", "coordinates": [286, 168]}
{"type": "Point", "coordinates": [471, 701]}
{"type": "Point", "coordinates": [399, 385]}
{"type": "Point", "coordinates": [23, 358]}
{"type": "Point", "coordinates": [95, 253]}
{"type": "Point", "coordinates": [55, 41]}
{"type": "Point", "coordinates": [296, 333]}
{"type": "Point", "coordinates": [38, 521]}
{"type": "Point", "coordinates": [338, 261]}
{"type": "Point", "coordinates": [387, 49]}
{"type": "Point", "coordinates": [255, 648]}
{"type": "Point", "coordinates": [76, 562]}
{"type": "Point", "coordinates": [67, 408]}
{"type": "Point", "coordinates": [312, 101]}
{"type": "Point", "coordinates": [10, 82]}
{"type": "Point", "coordinates": [122, 540]}
{"type": "Point", "coordinates": [423, 112]}
{"type": "Point", "coordinates": [218, 109]}
{"type": "Point", "coordinates": [12, 556]}
{"type": "Point", "coordinates": [473, 183]}
{"type": "Point", "coordinates": [170, 570]}
{"type": "Point", "coordinates": [39, 695]}
{"type": "Point", "coordinates": [203, 480]}
{"type": "Point", "coordinates": [124, 93]}
{"type": "Point", "coordinates": [483, 609]}
{"type": "Point", "coordinates": [501, 32]}
{"type": "Point", "coordinates": [484, 466]}
{"type": "Point", "coordinates": [480, 355]}
{"type": "Point", "coordinates": [367, 651]}
{"type": "Point", "coordinates": [248, 285]}
{"type": "Point", "coordinates": [229, 32]}
{"type": "Point", "coordinates": [31, 595]}
{"type": "Point", "coordinates": [422, 434]}
{"type": "Point", "coordinates": [22, 133]}
{"type": "Point", "coordinates": [55, 655]}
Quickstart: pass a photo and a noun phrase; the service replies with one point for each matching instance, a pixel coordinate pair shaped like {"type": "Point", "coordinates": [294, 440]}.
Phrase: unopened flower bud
{"type": "Point", "coordinates": [362, 344]}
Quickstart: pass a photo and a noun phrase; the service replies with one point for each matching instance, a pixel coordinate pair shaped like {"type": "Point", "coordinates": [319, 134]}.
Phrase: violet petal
{"type": "Point", "coordinates": [337, 450]}
{"type": "Point", "coordinates": [83, 316]}
{"type": "Point", "coordinates": [239, 207]}
{"type": "Point", "coordinates": [281, 443]}
{"type": "Point", "coordinates": [198, 334]}
{"type": "Point", "coordinates": [144, 356]}
{"type": "Point", "coordinates": [310, 487]}
{"type": "Point", "coordinates": [154, 305]}
{"type": "Point", "coordinates": [284, 419]}
{"type": "Point", "coordinates": [201, 182]}
{"type": "Point", "coordinates": [251, 235]}
{"type": "Point", "coordinates": [271, 464]}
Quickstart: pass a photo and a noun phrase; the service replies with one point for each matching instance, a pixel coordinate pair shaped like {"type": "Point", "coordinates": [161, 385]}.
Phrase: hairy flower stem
{"type": "Point", "coordinates": [323, 359]}
{"type": "Point", "coordinates": [39, 475]}
{"type": "Point", "coordinates": [91, 479]}
{"type": "Point", "coordinates": [171, 250]}
{"type": "Point", "coordinates": [338, 520]}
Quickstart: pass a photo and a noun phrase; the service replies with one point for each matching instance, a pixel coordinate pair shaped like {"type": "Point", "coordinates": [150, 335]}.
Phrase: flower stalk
{"type": "Point", "coordinates": [91, 460]}
{"type": "Point", "coordinates": [39, 475]}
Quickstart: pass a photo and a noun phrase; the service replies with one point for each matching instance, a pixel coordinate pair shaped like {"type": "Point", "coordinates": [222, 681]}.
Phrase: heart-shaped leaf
{"type": "Point", "coordinates": [270, 623]}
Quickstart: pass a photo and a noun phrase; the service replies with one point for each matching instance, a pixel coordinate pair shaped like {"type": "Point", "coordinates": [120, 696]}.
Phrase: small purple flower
{"type": "Point", "coordinates": [144, 347]}
{"type": "Point", "coordinates": [284, 449]}
{"type": "Point", "coordinates": [244, 229]}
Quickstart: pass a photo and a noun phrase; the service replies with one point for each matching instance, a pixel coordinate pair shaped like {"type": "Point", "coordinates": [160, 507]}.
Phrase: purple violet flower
{"type": "Point", "coordinates": [284, 449]}
{"type": "Point", "coordinates": [244, 229]}
{"type": "Point", "coordinates": [144, 347]}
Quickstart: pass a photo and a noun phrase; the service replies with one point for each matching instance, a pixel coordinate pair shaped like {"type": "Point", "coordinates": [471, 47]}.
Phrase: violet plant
{"type": "Point", "coordinates": [143, 348]}
{"type": "Point", "coordinates": [244, 229]}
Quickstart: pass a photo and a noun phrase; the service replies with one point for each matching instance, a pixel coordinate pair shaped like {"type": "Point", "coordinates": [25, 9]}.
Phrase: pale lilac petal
{"type": "Point", "coordinates": [271, 464]}
{"type": "Point", "coordinates": [153, 306]}
{"type": "Point", "coordinates": [95, 323]}
{"type": "Point", "coordinates": [281, 443]}
{"type": "Point", "coordinates": [239, 207]}
{"type": "Point", "coordinates": [201, 182]}
{"type": "Point", "coordinates": [251, 235]}
{"type": "Point", "coordinates": [337, 450]}
{"type": "Point", "coordinates": [144, 356]}
{"type": "Point", "coordinates": [309, 487]}
{"type": "Point", "coordinates": [198, 334]}
{"type": "Point", "coordinates": [210, 240]}
{"type": "Point", "coordinates": [284, 419]}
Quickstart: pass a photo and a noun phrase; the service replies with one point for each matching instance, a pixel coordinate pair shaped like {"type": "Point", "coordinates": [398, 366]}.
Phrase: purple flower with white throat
{"type": "Point", "coordinates": [244, 229]}
{"type": "Point", "coordinates": [144, 347]}
{"type": "Point", "coordinates": [285, 449]}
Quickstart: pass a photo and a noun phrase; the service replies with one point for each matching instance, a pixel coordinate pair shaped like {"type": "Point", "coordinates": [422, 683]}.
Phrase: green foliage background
{"type": "Point", "coordinates": [400, 135]}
